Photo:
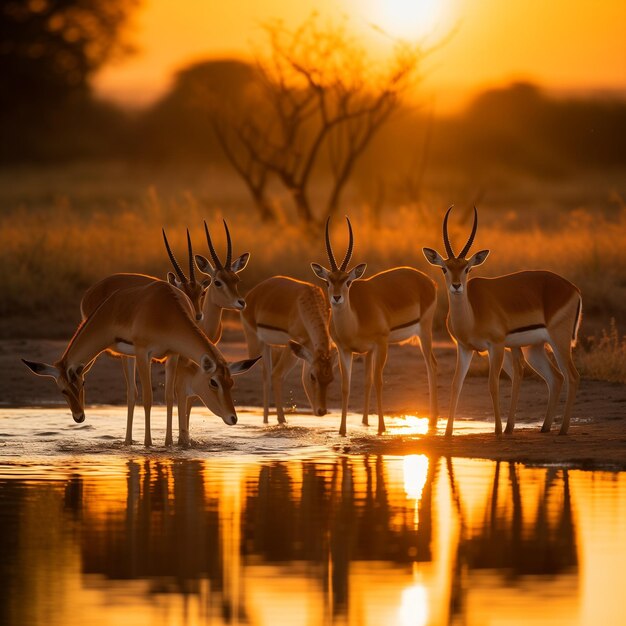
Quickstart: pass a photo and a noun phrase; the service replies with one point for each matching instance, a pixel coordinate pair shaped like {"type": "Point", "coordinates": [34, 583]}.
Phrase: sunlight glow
{"type": "Point", "coordinates": [414, 606]}
{"type": "Point", "coordinates": [411, 425]}
{"type": "Point", "coordinates": [407, 19]}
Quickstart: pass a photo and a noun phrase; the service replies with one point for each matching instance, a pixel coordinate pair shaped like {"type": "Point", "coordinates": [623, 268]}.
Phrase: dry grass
{"type": "Point", "coordinates": [53, 247]}
{"type": "Point", "coordinates": [604, 358]}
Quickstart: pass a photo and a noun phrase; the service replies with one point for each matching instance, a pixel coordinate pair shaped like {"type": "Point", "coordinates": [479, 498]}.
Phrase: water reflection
{"type": "Point", "coordinates": [352, 540]}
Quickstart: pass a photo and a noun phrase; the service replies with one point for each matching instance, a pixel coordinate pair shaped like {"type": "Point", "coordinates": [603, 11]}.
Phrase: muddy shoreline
{"type": "Point", "coordinates": [597, 436]}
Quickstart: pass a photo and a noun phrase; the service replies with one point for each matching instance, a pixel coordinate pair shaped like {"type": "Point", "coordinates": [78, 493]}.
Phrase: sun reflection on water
{"type": "Point", "coordinates": [411, 425]}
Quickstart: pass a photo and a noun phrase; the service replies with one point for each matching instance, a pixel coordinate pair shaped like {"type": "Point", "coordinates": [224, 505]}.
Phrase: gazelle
{"type": "Point", "coordinates": [282, 311]}
{"type": "Point", "coordinates": [394, 306]}
{"type": "Point", "coordinates": [194, 289]}
{"type": "Point", "coordinates": [150, 321]}
{"type": "Point", "coordinates": [223, 293]}
{"type": "Point", "coordinates": [208, 296]}
{"type": "Point", "coordinates": [525, 310]}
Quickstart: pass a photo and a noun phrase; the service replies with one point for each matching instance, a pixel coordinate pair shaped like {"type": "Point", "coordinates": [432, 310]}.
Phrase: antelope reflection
{"type": "Point", "coordinates": [334, 538]}
{"type": "Point", "coordinates": [544, 546]}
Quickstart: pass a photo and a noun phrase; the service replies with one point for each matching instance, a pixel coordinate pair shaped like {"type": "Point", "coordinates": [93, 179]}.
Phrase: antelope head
{"type": "Point", "coordinates": [317, 374]}
{"type": "Point", "coordinates": [224, 290]}
{"type": "Point", "coordinates": [338, 278]}
{"type": "Point", "coordinates": [191, 287]}
{"type": "Point", "coordinates": [212, 383]}
{"type": "Point", "coordinates": [456, 268]}
{"type": "Point", "coordinates": [69, 380]}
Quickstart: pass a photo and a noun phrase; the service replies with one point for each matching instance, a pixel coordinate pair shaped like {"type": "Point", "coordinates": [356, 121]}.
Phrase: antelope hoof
{"type": "Point", "coordinates": [147, 443]}
{"type": "Point", "coordinates": [508, 430]}
{"type": "Point", "coordinates": [365, 421]}
{"type": "Point", "coordinates": [545, 429]}
{"type": "Point", "coordinates": [169, 441]}
{"type": "Point", "coordinates": [128, 442]}
{"type": "Point", "coordinates": [448, 432]}
{"type": "Point", "coordinates": [562, 432]}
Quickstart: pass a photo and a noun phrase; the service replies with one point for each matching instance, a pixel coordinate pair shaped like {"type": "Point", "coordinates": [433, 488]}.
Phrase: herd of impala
{"type": "Point", "coordinates": [139, 318]}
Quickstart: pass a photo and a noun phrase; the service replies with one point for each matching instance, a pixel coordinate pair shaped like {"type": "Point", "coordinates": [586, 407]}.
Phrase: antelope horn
{"type": "Point", "coordinates": [470, 241]}
{"type": "Point", "coordinates": [216, 260]}
{"type": "Point", "coordinates": [192, 263]}
{"type": "Point", "coordinates": [229, 246]}
{"type": "Point", "coordinates": [346, 259]}
{"type": "Point", "coordinates": [446, 239]}
{"type": "Point", "coordinates": [179, 272]}
{"type": "Point", "coordinates": [329, 250]}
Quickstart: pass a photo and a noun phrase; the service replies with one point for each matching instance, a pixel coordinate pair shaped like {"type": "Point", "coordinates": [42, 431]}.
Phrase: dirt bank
{"type": "Point", "coordinates": [597, 434]}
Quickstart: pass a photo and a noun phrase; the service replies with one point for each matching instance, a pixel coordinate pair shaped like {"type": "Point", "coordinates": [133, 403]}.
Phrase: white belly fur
{"type": "Point", "coordinates": [527, 338]}
{"type": "Point", "coordinates": [404, 334]}
{"type": "Point", "coordinates": [273, 337]}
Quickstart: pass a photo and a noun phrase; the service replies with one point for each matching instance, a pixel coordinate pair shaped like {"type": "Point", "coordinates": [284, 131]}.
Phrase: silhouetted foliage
{"type": "Point", "coordinates": [49, 51]}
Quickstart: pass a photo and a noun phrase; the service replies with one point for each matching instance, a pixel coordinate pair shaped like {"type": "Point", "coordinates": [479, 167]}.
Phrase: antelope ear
{"type": "Point", "coordinates": [207, 364]}
{"type": "Point", "coordinates": [172, 280]}
{"type": "Point", "coordinates": [319, 271]}
{"type": "Point", "coordinates": [239, 264]}
{"type": "Point", "coordinates": [203, 265]}
{"type": "Point", "coordinates": [239, 367]}
{"type": "Point", "coordinates": [42, 369]}
{"type": "Point", "coordinates": [300, 351]}
{"type": "Point", "coordinates": [358, 271]}
{"type": "Point", "coordinates": [479, 258]}
{"type": "Point", "coordinates": [433, 257]}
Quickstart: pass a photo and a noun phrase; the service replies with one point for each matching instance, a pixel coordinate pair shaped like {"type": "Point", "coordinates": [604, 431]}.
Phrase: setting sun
{"type": "Point", "coordinates": [407, 19]}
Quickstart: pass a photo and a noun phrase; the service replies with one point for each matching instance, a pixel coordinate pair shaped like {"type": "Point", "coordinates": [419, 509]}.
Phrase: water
{"type": "Point", "coordinates": [266, 525]}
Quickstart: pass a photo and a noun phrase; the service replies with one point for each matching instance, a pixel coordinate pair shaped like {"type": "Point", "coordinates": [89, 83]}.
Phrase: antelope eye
{"type": "Point", "coordinates": [64, 392]}
{"type": "Point", "coordinates": [213, 383]}
{"type": "Point", "coordinates": [312, 377]}
{"type": "Point", "coordinates": [348, 283]}
{"type": "Point", "coordinates": [467, 269]}
{"type": "Point", "coordinates": [445, 271]}
{"type": "Point", "coordinates": [218, 283]}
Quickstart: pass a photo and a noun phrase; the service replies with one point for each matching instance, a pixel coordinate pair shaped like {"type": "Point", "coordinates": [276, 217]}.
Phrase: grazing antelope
{"type": "Point", "coordinates": [394, 306]}
{"type": "Point", "coordinates": [194, 289]}
{"type": "Point", "coordinates": [523, 311]}
{"type": "Point", "coordinates": [282, 311]}
{"type": "Point", "coordinates": [151, 321]}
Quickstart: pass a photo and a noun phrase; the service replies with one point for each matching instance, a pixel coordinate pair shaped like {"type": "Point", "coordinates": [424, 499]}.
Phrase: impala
{"type": "Point", "coordinates": [395, 306]}
{"type": "Point", "coordinates": [194, 289]}
{"type": "Point", "coordinates": [282, 311]}
{"type": "Point", "coordinates": [223, 293]}
{"type": "Point", "coordinates": [523, 311]}
{"type": "Point", "coordinates": [151, 321]}
{"type": "Point", "coordinates": [208, 303]}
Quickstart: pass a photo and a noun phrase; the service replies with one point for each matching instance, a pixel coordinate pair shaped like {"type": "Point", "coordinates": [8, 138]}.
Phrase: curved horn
{"type": "Point", "coordinates": [216, 260]}
{"type": "Point", "coordinates": [192, 263]}
{"type": "Point", "coordinates": [229, 246]}
{"type": "Point", "coordinates": [446, 239]}
{"type": "Point", "coordinates": [346, 259]}
{"type": "Point", "coordinates": [470, 241]}
{"type": "Point", "coordinates": [179, 272]}
{"type": "Point", "coordinates": [329, 249]}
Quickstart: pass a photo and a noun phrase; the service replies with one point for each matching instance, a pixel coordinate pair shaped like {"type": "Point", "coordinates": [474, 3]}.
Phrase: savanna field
{"type": "Point", "coordinates": [248, 450]}
{"type": "Point", "coordinates": [65, 227]}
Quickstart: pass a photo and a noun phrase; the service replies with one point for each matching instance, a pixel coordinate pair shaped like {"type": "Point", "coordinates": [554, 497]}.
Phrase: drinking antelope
{"type": "Point", "coordinates": [282, 311]}
{"type": "Point", "coordinates": [394, 306]}
{"type": "Point", "coordinates": [150, 321]}
{"type": "Point", "coordinates": [208, 296]}
{"type": "Point", "coordinates": [194, 289]}
{"type": "Point", "coordinates": [525, 310]}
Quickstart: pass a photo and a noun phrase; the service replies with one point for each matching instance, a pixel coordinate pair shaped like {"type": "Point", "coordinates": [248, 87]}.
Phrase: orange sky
{"type": "Point", "coordinates": [562, 44]}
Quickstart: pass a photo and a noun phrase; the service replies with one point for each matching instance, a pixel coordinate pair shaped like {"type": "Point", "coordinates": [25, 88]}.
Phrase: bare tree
{"type": "Point", "coordinates": [324, 99]}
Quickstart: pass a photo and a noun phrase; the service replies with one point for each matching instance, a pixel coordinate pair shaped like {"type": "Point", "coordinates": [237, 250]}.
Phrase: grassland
{"type": "Point", "coordinates": [63, 228]}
